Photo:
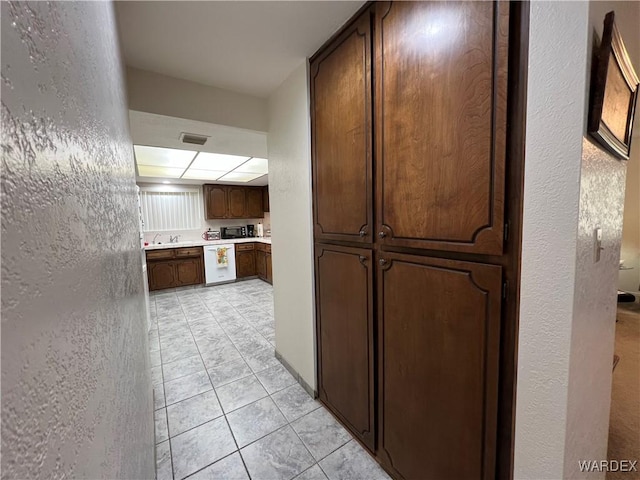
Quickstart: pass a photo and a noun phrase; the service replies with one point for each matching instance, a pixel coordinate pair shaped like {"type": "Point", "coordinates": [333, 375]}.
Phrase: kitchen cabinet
{"type": "Point", "coordinates": [341, 132]}
{"type": "Point", "coordinates": [265, 198]}
{"type": "Point", "coordinates": [416, 267]}
{"type": "Point", "coordinates": [237, 202]}
{"type": "Point", "coordinates": [440, 138]}
{"type": "Point", "coordinates": [216, 203]}
{"type": "Point", "coordinates": [268, 267]}
{"type": "Point", "coordinates": [245, 260]}
{"type": "Point", "coordinates": [344, 323]}
{"type": "Point", "coordinates": [438, 344]}
{"type": "Point", "coordinates": [175, 267]}
{"type": "Point", "coordinates": [261, 263]}
{"type": "Point", "coordinates": [224, 201]}
{"type": "Point", "coordinates": [255, 207]}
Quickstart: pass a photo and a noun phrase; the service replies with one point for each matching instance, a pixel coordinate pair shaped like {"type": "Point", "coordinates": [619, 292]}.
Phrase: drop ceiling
{"type": "Point", "coordinates": [246, 47]}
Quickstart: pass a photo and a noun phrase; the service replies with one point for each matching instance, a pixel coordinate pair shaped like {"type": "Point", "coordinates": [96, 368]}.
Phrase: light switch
{"type": "Point", "coordinates": [597, 241]}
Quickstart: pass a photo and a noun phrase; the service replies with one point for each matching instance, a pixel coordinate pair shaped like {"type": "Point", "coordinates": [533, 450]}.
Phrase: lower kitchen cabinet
{"type": "Point", "coordinates": [344, 310]}
{"type": "Point", "coordinates": [261, 263]}
{"type": "Point", "coordinates": [245, 260]}
{"type": "Point", "coordinates": [175, 267]}
{"type": "Point", "coordinates": [269, 272]}
{"type": "Point", "coordinates": [437, 348]}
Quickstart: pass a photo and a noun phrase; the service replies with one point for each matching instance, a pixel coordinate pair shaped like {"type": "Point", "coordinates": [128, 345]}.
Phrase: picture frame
{"type": "Point", "coordinates": [614, 92]}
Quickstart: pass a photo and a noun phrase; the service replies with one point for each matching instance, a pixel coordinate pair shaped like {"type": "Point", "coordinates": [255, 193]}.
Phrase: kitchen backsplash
{"type": "Point", "coordinates": [188, 235]}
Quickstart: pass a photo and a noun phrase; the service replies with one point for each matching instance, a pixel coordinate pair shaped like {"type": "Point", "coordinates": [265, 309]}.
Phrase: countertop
{"type": "Point", "coordinates": [204, 243]}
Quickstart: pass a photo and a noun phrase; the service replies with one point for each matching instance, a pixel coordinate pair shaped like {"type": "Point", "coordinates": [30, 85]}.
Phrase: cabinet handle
{"type": "Point", "coordinates": [382, 262]}
{"type": "Point", "coordinates": [381, 234]}
{"type": "Point", "coordinates": [362, 233]}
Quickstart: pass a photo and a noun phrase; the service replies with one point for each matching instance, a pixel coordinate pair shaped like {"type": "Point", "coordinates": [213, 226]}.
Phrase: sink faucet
{"type": "Point", "coordinates": [174, 239]}
{"type": "Point", "coordinates": [153, 242]}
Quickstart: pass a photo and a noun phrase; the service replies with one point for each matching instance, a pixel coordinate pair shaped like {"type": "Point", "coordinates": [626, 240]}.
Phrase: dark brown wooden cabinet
{"type": "Point", "coordinates": [175, 267]}
{"type": "Point", "coordinates": [344, 322]}
{"type": "Point", "coordinates": [261, 264]}
{"type": "Point", "coordinates": [223, 201]}
{"type": "Point", "coordinates": [439, 338]}
{"type": "Point", "coordinates": [216, 202]}
{"type": "Point", "coordinates": [255, 208]}
{"type": "Point", "coordinates": [341, 136]}
{"type": "Point", "coordinates": [268, 266]}
{"type": "Point", "coordinates": [265, 198]}
{"type": "Point", "coordinates": [441, 124]}
{"type": "Point", "coordinates": [245, 260]}
{"type": "Point", "coordinates": [417, 197]}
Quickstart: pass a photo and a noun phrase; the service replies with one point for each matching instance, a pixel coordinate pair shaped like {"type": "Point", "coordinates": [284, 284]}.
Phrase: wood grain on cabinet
{"type": "Point", "coordinates": [261, 263]}
{"type": "Point", "coordinates": [441, 98]}
{"type": "Point", "coordinates": [268, 266]}
{"type": "Point", "coordinates": [245, 260]}
{"type": "Point", "coordinates": [438, 344]}
{"type": "Point", "coordinates": [175, 267]}
{"type": "Point", "coordinates": [341, 136]}
{"type": "Point", "coordinates": [345, 332]}
{"type": "Point", "coordinates": [216, 201]}
{"type": "Point", "coordinates": [265, 198]}
{"type": "Point", "coordinates": [237, 202]}
{"type": "Point", "coordinates": [255, 208]}
{"type": "Point", "coordinates": [161, 275]}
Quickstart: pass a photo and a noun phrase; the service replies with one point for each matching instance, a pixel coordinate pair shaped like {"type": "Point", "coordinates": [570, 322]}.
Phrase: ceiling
{"type": "Point", "coordinates": [162, 131]}
{"type": "Point", "coordinates": [246, 47]}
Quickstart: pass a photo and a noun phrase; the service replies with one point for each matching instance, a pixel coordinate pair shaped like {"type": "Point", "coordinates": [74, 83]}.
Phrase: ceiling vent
{"type": "Point", "coordinates": [193, 139]}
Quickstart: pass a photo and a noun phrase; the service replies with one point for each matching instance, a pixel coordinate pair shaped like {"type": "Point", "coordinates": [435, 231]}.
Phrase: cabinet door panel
{"type": "Point", "coordinates": [265, 198]}
{"type": "Point", "coordinates": [216, 201]}
{"type": "Point", "coordinates": [188, 272]}
{"type": "Point", "coordinates": [237, 202]}
{"type": "Point", "coordinates": [161, 275]}
{"type": "Point", "coordinates": [441, 89]}
{"type": "Point", "coordinates": [344, 309]}
{"type": "Point", "coordinates": [341, 136]}
{"type": "Point", "coordinates": [438, 332]}
{"type": "Point", "coordinates": [254, 203]}
{"type": "Point", "coordinates": [269, 271]}
{"type": "Point", "coordinates": [245, 264]}
{"type": "Point", "coordinates": [261, 264]}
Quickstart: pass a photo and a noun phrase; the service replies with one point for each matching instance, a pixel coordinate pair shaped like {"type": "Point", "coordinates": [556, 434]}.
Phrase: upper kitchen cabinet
{"type": "Point", "coordinates": [215, 200]}
{"type": "Point", "coordinates": [255, 207]}
{"type": "Point", "coordinates": [441, 98]}
{"type": "Point", "coordinates": [265, 198]}
{"type": "Point", "coordinates": [237, 202]}
{"type": "Point", "coordinates": [342, 137]}
{"type": "Point", "coordinates": [223, 201]}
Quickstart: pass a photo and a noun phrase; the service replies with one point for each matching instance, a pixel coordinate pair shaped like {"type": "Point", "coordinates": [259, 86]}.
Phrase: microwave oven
{"type": "Point", "coordinates": [233, 232]}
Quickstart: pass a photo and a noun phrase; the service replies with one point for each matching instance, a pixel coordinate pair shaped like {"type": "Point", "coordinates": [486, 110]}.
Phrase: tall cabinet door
{"type": "Point", "coordinates": [216, 203]}
{"type": "Point", "coordinates": [341, 136]}
{"type": "Point", "coordinates": [344, 319]}
{"type": "Point", "coordinates": [441, 98]}
{"type": "Point", "coordinates": [438, 343]}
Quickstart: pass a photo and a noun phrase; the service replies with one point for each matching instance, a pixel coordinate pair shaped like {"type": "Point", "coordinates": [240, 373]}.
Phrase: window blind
{"type": "Point", "coordinates": [169, 210]}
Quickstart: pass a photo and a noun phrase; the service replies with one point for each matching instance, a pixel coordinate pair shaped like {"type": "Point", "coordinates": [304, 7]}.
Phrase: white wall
{"type": "Point", "coordinates": [568, 301]}
{"type": "Point", "coordinates": [555, 113]}
{"type": "Point", "coordinates": [76, 384]}
{"type": "Point", "coordinates": [289, 146]}
{"type": "Point", "coordinates": [155, 93]}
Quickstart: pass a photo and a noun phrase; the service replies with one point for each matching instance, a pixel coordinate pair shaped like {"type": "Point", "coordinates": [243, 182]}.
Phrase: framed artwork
{"type": "Point", "coordinates": [614, 91]}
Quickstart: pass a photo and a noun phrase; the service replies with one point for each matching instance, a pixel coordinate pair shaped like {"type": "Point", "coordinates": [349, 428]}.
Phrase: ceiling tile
{"type": "Point", "coordinates": [255, 165]}
{"type": "Point", "coordinates": [217, 162]}
{"type": "Point", "coordinates": [155, 171]}
{"type": "Point", "coordinates": [163, 157]}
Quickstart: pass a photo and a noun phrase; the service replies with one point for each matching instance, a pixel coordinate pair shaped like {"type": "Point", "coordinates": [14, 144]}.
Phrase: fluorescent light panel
{"type": "Point", "coordinates": [239, 177]}
{"type": "Point", "coordinates": [163, 157]}
{"type": "Point", "coordinates": [154, 171]}
{"type": "Point", "coordinates": [217, 162]}
{"type": "Point", "coordinates": [255, 165]}
{"type": "Point", "coordinates": [203, 174]}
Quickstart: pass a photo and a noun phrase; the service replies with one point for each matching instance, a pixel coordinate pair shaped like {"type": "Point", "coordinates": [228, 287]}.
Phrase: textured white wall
{"type": "Point", "coordinates": [555, 113]}
{"type": "Point", "coordinates": [289, 145]}
{"type": "Point", "coordinates": [76, 388]}
{"type": "Point", "coordinates": [154, 93]}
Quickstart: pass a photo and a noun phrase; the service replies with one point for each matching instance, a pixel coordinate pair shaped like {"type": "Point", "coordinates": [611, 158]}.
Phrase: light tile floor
{"type": "Point", "coordinates": [226, 408]}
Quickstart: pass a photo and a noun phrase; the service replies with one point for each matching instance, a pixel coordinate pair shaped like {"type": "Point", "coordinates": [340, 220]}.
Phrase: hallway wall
{"type": "Point", "coordinates": [76, 386]}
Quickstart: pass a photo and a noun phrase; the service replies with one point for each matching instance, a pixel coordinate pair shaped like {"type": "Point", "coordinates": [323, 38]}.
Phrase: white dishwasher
{"type": "Point", "coordinates": [219, 263]}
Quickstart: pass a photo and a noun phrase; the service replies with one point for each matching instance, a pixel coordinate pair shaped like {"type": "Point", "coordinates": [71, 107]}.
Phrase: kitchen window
{"type": "Point", "coordinates": [171, 208]}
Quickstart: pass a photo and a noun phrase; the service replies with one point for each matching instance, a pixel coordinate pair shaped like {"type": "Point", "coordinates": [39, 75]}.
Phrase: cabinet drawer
{"type": "Point", "coordinates": [267, 248]}
{"type": "Point", "coordinates": [261, 247]}
{"type": "Point", "coordinates": [241, 247]}
{"type": "Point", "coordinates": [165, 254]}
{"type": "Point", "coordinates": [188, 252]}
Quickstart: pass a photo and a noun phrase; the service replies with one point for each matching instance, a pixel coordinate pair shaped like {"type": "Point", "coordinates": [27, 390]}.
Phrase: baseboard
{"type": "Point", "coordinates": [297, 376]}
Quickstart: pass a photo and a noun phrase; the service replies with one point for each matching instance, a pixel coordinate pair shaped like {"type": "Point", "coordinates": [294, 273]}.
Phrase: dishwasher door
{"type": "Point", "coordinates": [219, 264]}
